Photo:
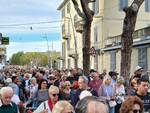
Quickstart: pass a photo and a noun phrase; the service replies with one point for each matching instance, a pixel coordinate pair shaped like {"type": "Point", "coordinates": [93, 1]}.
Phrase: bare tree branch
{"type": "Point", "coordinates": [87, 11]}
{"type": "Point", "coordinates": [76, 6]}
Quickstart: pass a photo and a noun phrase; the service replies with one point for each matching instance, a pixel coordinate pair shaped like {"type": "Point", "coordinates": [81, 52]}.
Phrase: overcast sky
{"type": "Point", "coordinates": [28, 22]}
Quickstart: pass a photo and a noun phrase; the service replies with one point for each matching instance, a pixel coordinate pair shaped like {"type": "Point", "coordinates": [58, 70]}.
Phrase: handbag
{"type": "Point", "coordinates": [112, 103]}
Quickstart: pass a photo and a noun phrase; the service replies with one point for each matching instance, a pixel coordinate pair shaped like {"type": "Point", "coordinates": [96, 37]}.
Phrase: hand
{"type": "Point", "coordinates": [44, 111]}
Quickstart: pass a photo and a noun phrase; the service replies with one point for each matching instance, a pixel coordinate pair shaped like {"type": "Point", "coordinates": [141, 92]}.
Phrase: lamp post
{"type": "Point", "coordinates": [49, 55]}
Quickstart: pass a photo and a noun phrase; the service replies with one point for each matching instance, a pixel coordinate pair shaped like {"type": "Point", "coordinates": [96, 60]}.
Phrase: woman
{"type": "Point", "coordinates": [107, 91]}
{"type": "Point", "coordinates": [119, 93]}
{"type": "Point", "coordinates": [63, 107]}
{"type": "Point", "coordinates": [65, 94]}
{"type": "Point", "coordinates": [47, 106]}
{"type": "Point", "coordinates": [132, 104]}
{"type": "Point", "coordinates": [42, 94]}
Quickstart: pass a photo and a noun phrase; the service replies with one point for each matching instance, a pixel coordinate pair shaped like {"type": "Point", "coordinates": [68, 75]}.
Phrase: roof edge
{"type": "Point", "coordinates": [62, 4]}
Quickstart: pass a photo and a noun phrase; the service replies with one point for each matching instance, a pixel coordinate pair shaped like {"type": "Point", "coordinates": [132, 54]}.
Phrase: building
{"type": "Point", "coordinates": [105, 35]}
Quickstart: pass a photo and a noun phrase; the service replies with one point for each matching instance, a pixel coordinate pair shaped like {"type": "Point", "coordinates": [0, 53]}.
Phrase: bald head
{"type": "Point", "coordinates": [6, 94]}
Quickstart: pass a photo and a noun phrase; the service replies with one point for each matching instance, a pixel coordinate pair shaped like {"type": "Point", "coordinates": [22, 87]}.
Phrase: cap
{"type": "Point", "coordinates": [112, 73]}
{"type": "Point", "coordinates": [84, 94]}
{"type": "Point", "coordinates": [138, 68]}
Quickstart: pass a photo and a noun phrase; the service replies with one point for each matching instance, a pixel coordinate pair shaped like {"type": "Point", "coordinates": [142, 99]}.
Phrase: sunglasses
{"type": "Point", "coordinates": [70, 112]}
{"type": "Point", "coordinates": [54, 95]}
{"type": "Point", "coordinates": [137, 111]}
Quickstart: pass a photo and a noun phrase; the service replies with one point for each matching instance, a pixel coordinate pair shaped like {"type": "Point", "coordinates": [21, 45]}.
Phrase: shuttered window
{"type": "Point", "coordinates": [123, 4]}
{"type": "Point", "coordinates": [142, 57]}
{"type": "Point", "coordinates": [112, 60]}
{"type": "Point", "coordinates": [96, 6]}
{"type": "Point", "coordinates": [147, 5]}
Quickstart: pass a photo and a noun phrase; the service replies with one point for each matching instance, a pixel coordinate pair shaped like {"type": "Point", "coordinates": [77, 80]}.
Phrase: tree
{"type": "Point", "coordinates": [87, 16]}
{"type": "Point", "coordinates": [127, 38]}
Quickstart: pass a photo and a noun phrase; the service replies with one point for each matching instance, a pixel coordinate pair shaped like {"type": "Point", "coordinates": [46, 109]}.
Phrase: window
{"type": "Point", "coordinates": [63, 28]}
{"type": "Point", "coordinates": [147, 5]}
{"type": "Point", "coordinates": [68, 44]}
{"type": "Point", "coordinates": [63, 54]}
{"type": "Point", "coordinates": [96, 6]}
{"type": "Point", "coordinates": [142, 57]}
{"type": "Point", "coordinates": [112, 60]}
{"type": "Point", "coordinates": [69, 62]}
{"type": "Point", "coordinates": [63, 13]}
{"type": "Point", "coordinates": [96, 62]}
{"type": "Point", "coordinates": [95, 34]}
{"type": "Point", "coordinates": [68, 8]}
{"type": "Point", "coordinates": [123, 4]}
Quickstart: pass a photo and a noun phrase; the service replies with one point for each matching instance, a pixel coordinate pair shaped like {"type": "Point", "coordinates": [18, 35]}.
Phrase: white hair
{"type": "Point", "coordinates": [6, 89]}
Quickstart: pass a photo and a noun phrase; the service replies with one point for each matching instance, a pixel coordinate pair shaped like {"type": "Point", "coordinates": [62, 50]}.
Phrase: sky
{"type": "Point", "coordinates": [29, 24]}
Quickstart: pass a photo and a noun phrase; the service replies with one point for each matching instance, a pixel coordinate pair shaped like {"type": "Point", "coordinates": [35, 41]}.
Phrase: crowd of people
{"type": "Point", "coordinates": [40, 90]}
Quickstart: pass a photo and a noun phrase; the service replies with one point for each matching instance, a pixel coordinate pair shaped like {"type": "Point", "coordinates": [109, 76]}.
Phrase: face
{"type": "Point", "coordinates": [143, 88]}
{"type": "Point", "coordinates": [44, 85]}
{"type": "Point", "coordinates": [54, 95]}
{"type": "Point", "coordinates": [95, 76]}
{"type": "Point", "coordinates": [6, 97]}
{"type": "Point", "coordinates": [108, 81]}
{"type": "Point", "coordinates": [136, 109]}
{"type": "Point", "coordinates": [96, 107]}
{"type": "Point", "coordinates": [82, 84]}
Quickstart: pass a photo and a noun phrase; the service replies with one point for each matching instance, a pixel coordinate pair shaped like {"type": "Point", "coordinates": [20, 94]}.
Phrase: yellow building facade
{"type": "Point", "coordinates": [105, 36]}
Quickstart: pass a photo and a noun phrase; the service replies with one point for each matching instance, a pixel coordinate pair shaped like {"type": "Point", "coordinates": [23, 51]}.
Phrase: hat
{"type": "Point", "coordinates": [8, 80]}
{"type": "Point", "coordinates": [138, 68]}
{"type": "Point", "coordinates": [84, 94]}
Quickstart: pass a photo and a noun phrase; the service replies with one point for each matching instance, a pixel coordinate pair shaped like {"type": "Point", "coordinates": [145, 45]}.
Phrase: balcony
{"type": "Point", "coordinates": [138, 36]}
{"type": "Point", "coordinates": [79, 25]}
{"type": "Point", "coordinates": [71, 53]}
{"type": "Point", "coordinates": [65, 35]}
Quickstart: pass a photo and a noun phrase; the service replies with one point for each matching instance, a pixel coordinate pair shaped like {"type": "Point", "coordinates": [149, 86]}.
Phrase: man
{"type": "Point", "coordinates": [6, 106]}
{"type": "Point", "coordinates": [83, 85]}
{"type": "Point", "coordinates": [142, 92]}
{"type": "Point", "coordinates": [91, 104]}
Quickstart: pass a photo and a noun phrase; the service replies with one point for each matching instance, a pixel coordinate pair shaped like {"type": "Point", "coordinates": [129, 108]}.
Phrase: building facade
{"type": "Point", "coordinates": [106, 29]}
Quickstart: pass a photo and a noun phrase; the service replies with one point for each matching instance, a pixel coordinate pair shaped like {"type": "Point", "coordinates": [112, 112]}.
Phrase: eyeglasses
{"type": "Point", "coordinates": [44, 83]}
{"type": "Point", "coordinates": [55, 95]}
{"type": "Point", "coordinates": [137, 111]}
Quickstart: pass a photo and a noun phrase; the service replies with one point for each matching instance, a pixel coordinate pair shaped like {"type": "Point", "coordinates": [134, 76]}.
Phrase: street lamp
{"type": "Point", "coordinates": [49, 55]}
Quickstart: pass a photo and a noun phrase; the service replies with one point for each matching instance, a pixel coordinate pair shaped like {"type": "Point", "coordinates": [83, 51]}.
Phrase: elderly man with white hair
{"type": "Point", "coordinates": [6, 105]}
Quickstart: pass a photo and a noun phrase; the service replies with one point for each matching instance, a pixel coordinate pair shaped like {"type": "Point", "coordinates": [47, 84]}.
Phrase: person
{"type": "Point", "coordinates": [132, 104]}
{"type": "Point", "coordinates": [47, 106]}
{"type": "Point", "coordinates": [107, 91]}
{"type": "Point", "coordinates": [83, 85]}
{"type": "Point", "coordinates": [142, 92]}
{"type": "Point", "coordinates": [41, 94]}
{"type": "Point", "coordinates": [119, 93]}
{"type": "Point", "coordinates": [91, 104]}
{"type": "Point", "coordinates": [96, 82]}
{"type": "Point", "coordinates": [6, 105]}
{"type": "Point", "coordinates": [63, 107]}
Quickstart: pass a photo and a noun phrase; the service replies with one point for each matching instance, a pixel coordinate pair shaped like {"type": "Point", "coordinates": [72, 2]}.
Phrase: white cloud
{"type": "Point", "coordinates": [15, 47]}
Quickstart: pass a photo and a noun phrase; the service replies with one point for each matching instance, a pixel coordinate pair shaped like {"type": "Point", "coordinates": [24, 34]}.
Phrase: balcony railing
{"type": "Point", "coordinates": [79, 25]}
{"type": "Point", "coordinates": [71, 53]}
{"type": "Point", "coordinates": [65, 35]}
{"type": "Point", "coordinates": [138, 35]}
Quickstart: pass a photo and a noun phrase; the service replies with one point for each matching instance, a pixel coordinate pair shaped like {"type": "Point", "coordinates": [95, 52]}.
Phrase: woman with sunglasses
{"type": "Point", "coordinates": [132, 104]}
{"type": "Point", "coordinates": [47, 106]}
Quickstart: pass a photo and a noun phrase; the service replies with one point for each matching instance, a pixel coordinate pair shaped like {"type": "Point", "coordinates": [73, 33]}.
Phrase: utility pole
{"type": "Point", "coordinates": [49, 55]}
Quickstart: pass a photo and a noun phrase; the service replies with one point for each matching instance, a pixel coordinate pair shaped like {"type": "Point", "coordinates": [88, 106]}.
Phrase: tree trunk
{"type": "Point", "coordinates": [86, 46]}
{"type": "Point", "coordinates": [127, 39]}
{"type": "Point", "coordinates": [87, 15]}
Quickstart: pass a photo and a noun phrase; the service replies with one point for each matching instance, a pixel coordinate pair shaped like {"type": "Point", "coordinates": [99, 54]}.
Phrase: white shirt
{"type": "Point", "coordinates": [41, 107]}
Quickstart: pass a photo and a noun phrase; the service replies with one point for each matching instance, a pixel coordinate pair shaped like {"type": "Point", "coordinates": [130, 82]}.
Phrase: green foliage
{"type": "Point", "coordinates": [30, 58]}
